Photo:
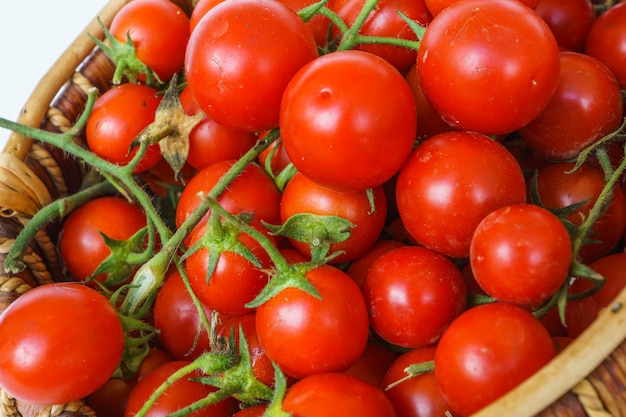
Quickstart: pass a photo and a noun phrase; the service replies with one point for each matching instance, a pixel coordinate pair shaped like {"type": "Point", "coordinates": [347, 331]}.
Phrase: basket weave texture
{"type": "Point", "coordinates": [587, 379]}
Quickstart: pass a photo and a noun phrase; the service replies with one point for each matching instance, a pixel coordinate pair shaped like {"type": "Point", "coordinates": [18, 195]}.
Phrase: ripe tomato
{"type": "Point", "coordinates": [252, 191]}
{"type": "Point", "coordinates": [58, 342]}
{"type": "Point", "coordinates": [179, 394]}
{"type": "Point", "coordinates": [579, 314]}
{"type": "Point", "coordinates": [318, 24]}
{"type": "Point", "coordinates": [419, 396]}
{"type": "Point", "coordinates": [450, 183]}
{"type": "Point", "coordinates": [360, 267]}
{"type": "Point", "coordinates": [606, 41]}
{"type": "Point", "coordinates": [487, 351]}
{"type": "Point", "coordinates": [373, 363]}
{"type": "Point", "coordinates": [586, 106]}
{"type": "Point", "coordinates": [488, 66]}
{"type": "Point", "coordinates": [178, 320]}
{"type": "Point", "coordinates": [558, 187]}
{"type": "Point", "coordinates": [337, 394]}
{"type": "Point", "coordinates": [385, 21]}
{"type": "Point", "coordinates": [160, 31]}
{"type": "Point", "coordinates": [240, 57]}
{"type": "Point", "coordinates": [235, 281]}
{"type": "Point", "coordinates": [412, 294]}
{"type": "Point", "coordinates": [81, 245]}
{"type": "Point", "coordinates": [199, 10]}
{"type": "Point", "coordinates": [521, 254]}
{"type": "Point", "coordinates": [211, 142]}
{"type": "Point", "coordinates": [569, 21]}
{"type": "Point", "coordinates": [335, 131]}
{"type": "Point", "coordinates": [436, 6]}
{"type": "Point", "coordinates": [302, 195]}
{"type": "Point", "coordinates": [305, 335]}
{"type": "Point", "coordinates": [118, 116]}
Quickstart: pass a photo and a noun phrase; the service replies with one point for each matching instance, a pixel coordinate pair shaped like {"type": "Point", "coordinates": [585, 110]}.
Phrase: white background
{"type": "Point", "coordinates": [33, 34]}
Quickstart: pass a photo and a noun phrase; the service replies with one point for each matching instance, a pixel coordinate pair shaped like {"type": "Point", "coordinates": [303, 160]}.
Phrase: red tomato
{"type": "Point", "coordinates": [606, 41]}
{"type": "Point", "coordinates": [412, 294]}
{"type": "Point", "coordinates": [373, 363]}
{"type": "Point", "coordinates": [488, 66]}
{"type": "Point", "coordinates": [419, 396]}
{"type": "Point", "coordinates": [569, 21]}
{"type": "Point", "coordinates": [118, 116]}
{"type": "Point", "coordinates": [179, 394]}
{"type": "Point", "coordinates": [385, 21]}
{"type": "Point", "coordinates": [302, 195]}
{"type": "Point", "coordinates": [241, 56]}
{"type": "Point", "coordinates": [558, 187]}
{"type": "Point", "coordinates": [253, 411]}
{"type": "Point", "coordinates": [159, 30]}
{"type": "Point", "coordinates": [318, 24]}
{"type": "Point", "coordinates": [235, 281]}
{"type": "Point", "coordinates": [41, 361]}
{"type": "Point", "coordinates": [487, 351]}
{"type": "Point", "coordinates": [305, 335]}
{"type": "Point", "coordinates": [199, 10]}
{"type": "Point", "coordinates": [450, 183]}
{"type": "Point", "coordinates": [586, 106]}
{"type": "Point", "coordinates": [521, 254]}
{"type": "Point", "coordinates": [211, 142]}
{"type": "Point", "coordinates": [436, 6]}
{"type": "Point", "coordinates": [335, 131]}
{"type": "Point", "coordinates": [81, 245]}
{"type": "Point", "coordinates": [178, 320]}
{"type": "Point", "coordinates": [579, 314]}
{"type": "Point", "coordinates": [253, 191]}
{"type": "Point", "coordinates": [337, 394]}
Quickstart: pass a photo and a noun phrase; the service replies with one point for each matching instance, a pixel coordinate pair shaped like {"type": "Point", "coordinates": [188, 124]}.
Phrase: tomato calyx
{"type": "Point", "coordinates": [318, 231]}
{"type": "Point", "coordinates": [124, 56]}
{"type": "Point", "coordinates": [171, 128]}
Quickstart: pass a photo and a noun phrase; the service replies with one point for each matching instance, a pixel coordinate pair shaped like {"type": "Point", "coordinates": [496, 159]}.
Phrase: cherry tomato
{"type": "Point", "coordinates": [606, 41]}
{"type": "Point", "coordinates": [412, 294]}
{"type": "Point", "coordinates": [318, 24]}
{"type": "Point", "coordinates": [436, 6]}
{"type": "Point", "coordinates": [487, 351]}
{"type": "Point", "coordinates": [335, 131]}
{"type": "Point", "coordinates": [337, 394]}
{"type": "Point", "coordinates": [235, 282]}
{"type": "Point", "coordinates": [118, 116]}
{"type": "Point", "coordinates": [488, 66]}
{"type": "Point", "coordinates": [558, 187]}
{"type": "Point", "coordinates": [199, 10]}
{"type": "Point", "coordinates": [179, 394]}
{"type": "Point", "coordinates": [81, 245]}
{"type": "Point", "coordinates": [419, 396]}
{"type": "Point", "coordinates": [586, 106]}
{"type": "Point", "coordinates": [569, 21]}
{"type": "Point", "coordinates": [302, 195]}
{"type": "Point", "coordinates": [360, 267]}
{"type": "Point", "coordinates": [253, 191]}
{"type": "Point", "coordinates": [580, 313]}
{"type": "Point", "coordinates": [373, 363]}
{"type": "Point", "coordinates": [211, 142]}
{"type": "Point", "coordinates": [60, 342]}
{"type": "Point", "coordinates": [253, 411]}
{"type": "Point", "coordinates": [240, 57]}
{"type": "Point", "coordinates": [450, 183]}
{"type": "Point", "coordinates": [178, 320]}
{"type": "Point", "coordinates": [521, 254]}
{"type": "Point", "coordinates": [158, 29]}
{"type": "Point", "coordinates": [385, 21]}
{"type": "Point", "coordinates": [305, 335]}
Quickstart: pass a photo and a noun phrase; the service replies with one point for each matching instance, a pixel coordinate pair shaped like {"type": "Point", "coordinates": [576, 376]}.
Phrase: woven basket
{"type": "Point", "coordinates": [587, 379]}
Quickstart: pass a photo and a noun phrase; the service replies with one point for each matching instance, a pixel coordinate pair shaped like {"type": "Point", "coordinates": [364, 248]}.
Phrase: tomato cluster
{"type": "Point", "coordinates": [356, 207]}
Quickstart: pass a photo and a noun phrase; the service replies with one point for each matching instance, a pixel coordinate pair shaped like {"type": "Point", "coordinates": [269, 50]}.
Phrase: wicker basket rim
{"type": "Point", "coordinates": [537, 393]}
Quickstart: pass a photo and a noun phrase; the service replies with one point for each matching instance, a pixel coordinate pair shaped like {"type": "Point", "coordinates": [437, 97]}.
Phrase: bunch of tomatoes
{"type": "Point", "coordinates": [346, 207]}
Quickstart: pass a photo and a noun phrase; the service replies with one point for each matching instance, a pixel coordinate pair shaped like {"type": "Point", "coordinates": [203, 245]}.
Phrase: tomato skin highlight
{"type": "Point", "coordinates": [489, 67]}
{"type": "Point", "coordinates": [450, 183]}
{"type": "Point", "coordinates": [240, 57]}
{"type": "Point", "coordinates": [487, 351]}
{"type": "Point", "coordinates": [58, 342]}
{"type": "Point", "coordinates": [335, 131]}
